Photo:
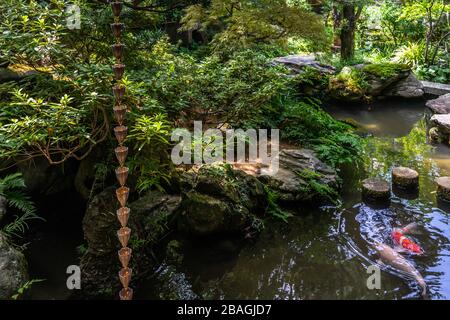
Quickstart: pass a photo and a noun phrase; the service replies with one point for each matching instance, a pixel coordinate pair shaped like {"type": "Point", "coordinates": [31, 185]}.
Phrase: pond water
{"type": "Point", "coordinates": [325, 254]}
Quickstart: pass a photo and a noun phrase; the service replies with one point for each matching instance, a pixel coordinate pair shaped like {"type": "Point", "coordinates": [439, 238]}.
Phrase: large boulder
{"type": "Point", "coordinates": [384, 75]}
{"type": "Point", "coordinates": [372, 81]}
{"type": "Point", "coordinates": [298, 63]}
{"type": "Point", "coordinates": [149, 219]}
{"type": "Point", "coordinates": [42, 178]}
{"type": "Point", "coordinates": [13, 269]}
{"type": "Point", "coordinates": [442, 122]}
{"type": "Point", "coordinates": [218, 199]}
{"type": "Point", "coordinates": [440, 105]}
{"type": "Point", "coordinates": [408, 88]}
{"type": "Point", "coordinates": [290, 186]}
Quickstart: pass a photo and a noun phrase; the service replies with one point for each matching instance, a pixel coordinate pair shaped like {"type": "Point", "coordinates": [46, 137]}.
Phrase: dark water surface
{"type": "Point", "coordinates": [325, 254]}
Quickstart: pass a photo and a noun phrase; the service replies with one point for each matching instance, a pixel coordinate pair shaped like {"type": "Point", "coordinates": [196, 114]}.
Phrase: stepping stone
{"type": "Point", "coordinates": [440, 105]}
{"type": "Point", "coordinates": [405, 178]}
{"type": "Point", "coordinates": [442, 121]}
{"type": "Point", "coordinates": [376, 189]}
{"type": "Point", "coordinates": [443, 189]}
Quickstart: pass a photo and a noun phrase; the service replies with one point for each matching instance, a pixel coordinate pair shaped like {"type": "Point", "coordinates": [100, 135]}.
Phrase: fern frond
{"type": "Point", "coordinates": [19, 200]}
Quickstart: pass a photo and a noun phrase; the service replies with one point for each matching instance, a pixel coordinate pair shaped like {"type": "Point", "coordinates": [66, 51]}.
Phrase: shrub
{"type": "Point", "coordinates": [306, 124]}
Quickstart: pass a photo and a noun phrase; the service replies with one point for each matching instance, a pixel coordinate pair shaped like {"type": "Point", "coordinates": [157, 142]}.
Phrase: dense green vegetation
{"type": "Point", "coordinates": [221, 74]}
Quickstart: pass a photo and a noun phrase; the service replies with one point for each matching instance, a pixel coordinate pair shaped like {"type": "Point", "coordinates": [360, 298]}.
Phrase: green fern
{"type": "Point", "coordinates": [11, 188]}
{"type": "Point", "coordinates": [314, 185]}
{"type": "Point", "coordinates": [273, 208]}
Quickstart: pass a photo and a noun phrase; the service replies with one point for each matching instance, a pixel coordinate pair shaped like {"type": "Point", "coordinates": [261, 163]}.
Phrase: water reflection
{"type": "Point", "coordinates": [324, 254]}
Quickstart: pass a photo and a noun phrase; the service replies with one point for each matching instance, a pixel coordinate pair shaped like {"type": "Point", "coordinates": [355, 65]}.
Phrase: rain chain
{"type": "Point", "coordinates": [120, 131]}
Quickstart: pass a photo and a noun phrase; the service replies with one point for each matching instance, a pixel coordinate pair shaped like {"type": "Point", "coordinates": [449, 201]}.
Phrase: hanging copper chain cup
{"type": "Point", "coordinates": [120, 133]}
{"type": "Point", "coordinates": [117, 50]}
{"type": "Point", "coordinates": [121, 154]}
{"type": "Point", "coordinates": [119, 92]}
{"type": "Point", "coordinates": [126, 294]}
{"type": "Point", "coordinates": [118, 70]}
{"type": "Point", "coordinates": [119, 113]}
{"type": "Point", "coordinates": [124, 236]}
{"type": "Point", "coordinates": [122, 175]}
{"type": "Point", "coordinates": [125, 276]}
{"type": "Point", "coordinates": [123, 214]}
{"type": "Point", "coordinates": [116, 8]}
{"type": "Point", "coordinates": [122, 195]}
{"type": "Point", "coordinates": [124, 256]}
{"type": "Point", "coordinates": [117, 29]}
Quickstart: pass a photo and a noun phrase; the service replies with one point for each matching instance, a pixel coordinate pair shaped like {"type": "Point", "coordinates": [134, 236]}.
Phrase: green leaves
{"type": "Point", "coordinates": [11, 188]}
{"type": "Point", "coordinates": [150, 130]}
{"type": "Point", "coordinates": [306, 124]}
{"type": "Point", "coordinates": [245, 23]}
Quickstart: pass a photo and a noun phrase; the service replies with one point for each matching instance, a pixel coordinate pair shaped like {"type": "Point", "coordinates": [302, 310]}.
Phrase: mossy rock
{"type": "Point", "coordinates": [219, 199]}
{"type": "Point", "coordinates": [366, 82]}
{"type": "Point", "coordinates": [387, 70]}
{"type": "Point", "coordinates": [13, 269]}
{"type": "Point", "coordinates": [349, 85]}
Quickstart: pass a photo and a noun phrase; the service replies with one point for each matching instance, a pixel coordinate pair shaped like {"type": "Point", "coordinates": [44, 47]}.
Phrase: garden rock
{"type": "Point", "coordinates": [298, 63]}
{"type": "Point", "coordinates": [2, 207]}
{"type": "Point", "coordinates": [407, 88]}
{"type": "Point", "coordinates": [13, 269]}
{"type": "Point", "coordinates": [218, 199]}
{"type": "Point", "coordinates": [289, 185]}
{"type": "Point", "coordinates": [440, 105]}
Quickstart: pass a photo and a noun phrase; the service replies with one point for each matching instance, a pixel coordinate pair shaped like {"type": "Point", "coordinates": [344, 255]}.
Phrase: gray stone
{"type": "Point", "coordinates": [374, 83]}
{"type": "Point", "coordinates": [442, 121]}
{"type": "Point", "coordinates": [2, 207]}
{"type": "Point", "coordinates": [298, 62]}
{"type": "Point", "coordinates": [440, 105]}
{"type": "Point", "coordinates": [219, 200]}
{"type": "Point", "coordinates": [407, 88]}
{"type": "Point", "coordinates": [13, 269]}
{"type": "Point", "coordinates": [434, 88]}
{"type": "Point", "coordinates": [377, 86]}
{"type": "Point", "coordinates": [286, 181]}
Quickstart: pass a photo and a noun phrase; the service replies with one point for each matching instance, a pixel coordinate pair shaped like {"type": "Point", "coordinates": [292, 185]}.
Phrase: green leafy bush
{"type": "Point", "coordinates": [306, 124]}
{"type": "Point", "coordinates": [149, 161]}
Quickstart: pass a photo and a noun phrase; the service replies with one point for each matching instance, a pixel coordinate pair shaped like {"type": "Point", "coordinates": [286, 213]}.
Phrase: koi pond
{"type": "Point", "coordinates": [320, 254]}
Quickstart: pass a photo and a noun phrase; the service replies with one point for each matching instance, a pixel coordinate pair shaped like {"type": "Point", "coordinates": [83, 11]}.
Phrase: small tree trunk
{"type": "Point", "coordinates": [336, 26]}
{"type": "Point", "coordinates": [348, 32]}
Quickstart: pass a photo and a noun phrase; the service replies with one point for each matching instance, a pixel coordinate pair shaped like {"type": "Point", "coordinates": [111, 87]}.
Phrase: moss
{"type": "Point", "coordinates": [349, 82]}
{"type": "Point", "coordinates": [385, 70]}
{"type": "Point", "coordinates": [313, 185]}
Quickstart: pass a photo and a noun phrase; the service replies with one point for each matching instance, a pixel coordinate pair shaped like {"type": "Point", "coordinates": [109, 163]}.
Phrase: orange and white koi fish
{"type": "Point", "coordinates": [399, 237]}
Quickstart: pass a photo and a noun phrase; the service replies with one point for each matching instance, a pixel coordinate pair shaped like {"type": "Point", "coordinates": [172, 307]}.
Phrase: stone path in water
{"type": "Point", "coordinates": [440, 108]}
{"type": "Point", "coordinates": [434, 88]}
